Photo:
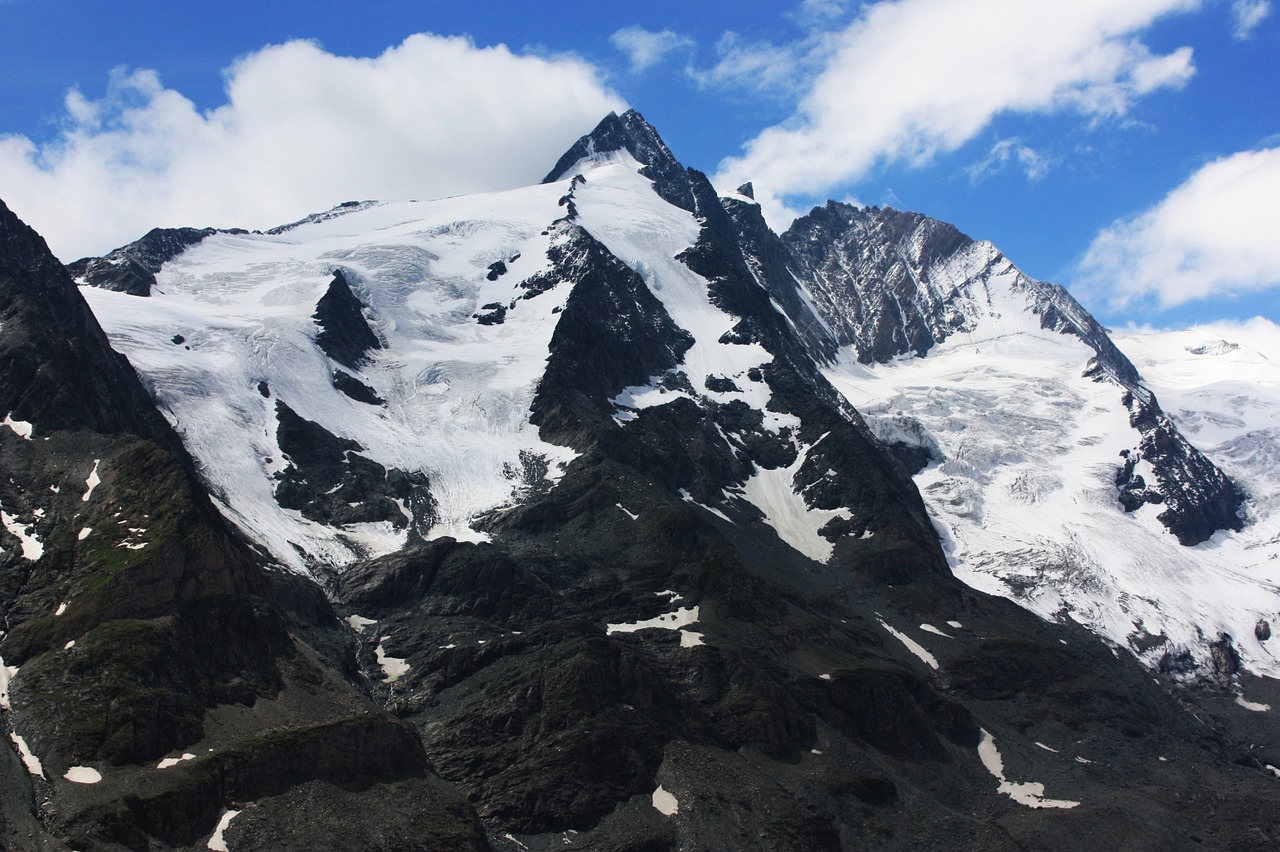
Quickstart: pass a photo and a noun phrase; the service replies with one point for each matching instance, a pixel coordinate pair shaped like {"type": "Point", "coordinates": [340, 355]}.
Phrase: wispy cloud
{"type": "Point", "coordinates": [910, 79]}
{"type": "Point", "coordinates": [646, 48]}
{"type": "Point", "coordinates": [1213, 236]}
{"type": "Point", "coordinates": [302, 129]}
{"type": "Point", "coordinates": [1005, 152]}
{"type": "Point", "coordinates": [1246, 15]}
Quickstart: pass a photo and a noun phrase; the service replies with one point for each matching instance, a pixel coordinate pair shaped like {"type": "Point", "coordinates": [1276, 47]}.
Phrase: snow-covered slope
{"type": "Point", "coordinates": [1036, 430]}
{"type": "Point", "coordinates": [228, 333]}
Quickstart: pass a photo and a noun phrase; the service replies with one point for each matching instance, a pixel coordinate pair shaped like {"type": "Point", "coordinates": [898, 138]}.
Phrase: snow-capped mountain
{"type": "Point", "coordinates": [581, 516]}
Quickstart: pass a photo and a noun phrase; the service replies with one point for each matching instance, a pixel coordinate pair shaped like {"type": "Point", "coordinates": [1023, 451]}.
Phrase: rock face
{"type": "Point", "coordinates": [621, 565]}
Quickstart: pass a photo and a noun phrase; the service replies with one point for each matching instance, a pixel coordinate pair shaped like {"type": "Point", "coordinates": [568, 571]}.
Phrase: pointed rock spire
{"type": "Point", "coordinates": [631, 133]}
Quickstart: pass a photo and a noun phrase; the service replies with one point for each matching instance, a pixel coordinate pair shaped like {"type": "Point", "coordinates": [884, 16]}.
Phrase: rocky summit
{"type": "Point", "coordinates": [597, 515]}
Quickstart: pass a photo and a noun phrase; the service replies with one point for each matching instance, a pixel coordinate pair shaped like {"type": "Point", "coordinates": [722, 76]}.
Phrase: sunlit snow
{"type": "Point", "coordinates": [21, 428]}
{"type": "Point", "coordinates": [83, 775]}
{"type": "Point", "coordinates": [28, 759]}
{"type": "Point", "coordinates": [1029, 793]}
{"type": "Point", "coordinates": [216, 842]}
{"type": "Point", "coordinates": [665, 803]}
{"type": "Point", "coordinates": [92, 481]}
{"type": "Point", "coordinates": [1024, 495]}
{"type": "Point", "coordinates": [913, 646]}
{"type": "Point", "coordinates": [32, 547]}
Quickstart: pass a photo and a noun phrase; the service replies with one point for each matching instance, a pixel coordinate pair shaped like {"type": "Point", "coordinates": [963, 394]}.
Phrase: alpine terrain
{"type": "Point", "coordinates": [596, 515]}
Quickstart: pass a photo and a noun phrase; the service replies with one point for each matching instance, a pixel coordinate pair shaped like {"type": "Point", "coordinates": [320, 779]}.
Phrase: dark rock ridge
{"type": "Point", "coordinates": [345, 335]}
{"type": "Point", "coordinates": [132, 269]}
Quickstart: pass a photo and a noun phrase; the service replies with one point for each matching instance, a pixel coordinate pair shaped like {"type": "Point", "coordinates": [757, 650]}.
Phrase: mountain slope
{"type": "Point", "coordinates": [605, 530]}
{"type": "Point", "coordinates": [137, 625]}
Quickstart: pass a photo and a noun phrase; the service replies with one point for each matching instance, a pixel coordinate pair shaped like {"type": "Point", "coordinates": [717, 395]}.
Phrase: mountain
{"type": "Point", "coordinates": [582, 515]}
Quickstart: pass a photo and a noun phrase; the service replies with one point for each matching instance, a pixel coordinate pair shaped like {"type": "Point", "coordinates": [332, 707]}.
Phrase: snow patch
{"type": "Point", "coordinates": [216, 842]}
{"type": "Point", "coordinates": [957, 625]}
{"type": "Point", "coordinates": [92, 482]}
{"type": "Point", "coordinates": [358, 622]}
{"type": "Point", "coordinates": [912, 645]}
{"type": "Point", "coordinates": [773, 493]}
{"type": "Point", "coordinates": [393, 668]}
{"type": "Point", "coordinates": [84, 533]}
{"type": "Point", "coordinates": [28, 759]}
{"type": "Point", "coordinates": [682, 617]}
{"type": "Point", "coordinates": [1047, 748]}
{"type": "Point", "coordinates": [71, 643]}
{"type": "Point", "coordinates": [7, 674]}
{"type": "Point", "coordinates": [1252, 705]}
{"type": "Point", "coordinates": [32, 547]}
{"type": "Point", "coordinates": [665, 803]}
{"type": "Point", "coordinates": [929, 628]}
{"type": "Point", "coordinates": [83, 775]}
{"type": "Point", "coordinates": [174, 761]}
{"type": "Point", "coordinates": [21, 428]}
{"type": "Point", "coordinates": [630, 515]}
{"type": "Point", "coordinates": [1029, 793]}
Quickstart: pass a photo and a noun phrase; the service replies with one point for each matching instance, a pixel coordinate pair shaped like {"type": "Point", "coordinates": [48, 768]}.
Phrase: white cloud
{"type": "Point", "coordinates": [756, 66]}
{"type": "Point", "coordinates": [1214, 235]}
{"type": "Point", "coordinates": [1034, 164]}
{"type": "Point", "coordinates": [910, 79]}
{"type": "Point", "coordinates": [302, 130]}
{"type": "Point", "coordinates": [646, 48]}
{"type": "Point", "coordinates": [1246, 15]}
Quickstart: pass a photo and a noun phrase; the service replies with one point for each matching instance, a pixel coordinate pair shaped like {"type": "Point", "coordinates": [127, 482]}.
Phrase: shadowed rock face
{"type": "Point", "coordinates": [344, 334]}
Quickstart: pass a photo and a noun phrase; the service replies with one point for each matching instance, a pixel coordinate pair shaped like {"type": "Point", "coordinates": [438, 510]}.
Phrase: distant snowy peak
{"type": "Point", "coordinates": [889, 283]}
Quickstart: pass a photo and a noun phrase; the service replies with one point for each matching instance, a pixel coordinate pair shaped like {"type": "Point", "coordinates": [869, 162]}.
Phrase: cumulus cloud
{"type": "Point", "coordinates": [910, 79]}
{"type": "Point", "coordinates": [302, 130]}
{"type": "Point", "coordinates": [646, 48]}
{"type": "Point", "coordinates": [1214, 235]}
{"type": "Point", "coordinates": [1246, 15]}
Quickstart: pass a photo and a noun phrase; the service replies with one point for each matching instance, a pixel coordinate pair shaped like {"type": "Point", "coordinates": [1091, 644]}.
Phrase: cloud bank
{"type": "Point", "coordinates": [910, 79]}
{"type": "Point", "coordinates": [1213, 236]}
{"type": "Point", "coordinates": [302, 130]}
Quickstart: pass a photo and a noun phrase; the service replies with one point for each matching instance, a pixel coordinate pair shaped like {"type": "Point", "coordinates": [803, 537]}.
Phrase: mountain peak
{"type": "Point", "coordinates": [631, 133]}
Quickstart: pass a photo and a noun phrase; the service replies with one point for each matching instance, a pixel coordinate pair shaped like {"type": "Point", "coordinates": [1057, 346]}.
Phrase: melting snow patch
{"type": "Point", "coordinates": [773, 493]}
{"type": "Point", "coordinates": [92, 482]}
{"type": "Point", "coordinates": [30, 760]}
{"type": "Point", "coordinates": [21, 428]}
{"type": "Point", "coordinates": [664, 802]}
{"type": "Point", "coordinates": [667, 593]}
{"type": "Point", "coordinates": [690, 639]}
{"type": "Point", "coordinates": [682, 617]}
{"type": "Point", "coordinates": [825, 676]}
{"type": "Point", "coordinates": [216, 843]}
{"type": "Point", "coordinates": [1029, 793]}
{"type": "Point", "coordinates": [957, 625]}
{"type": "Point", "coordinates": [929, 628]}
{"type": "Point", "coordinates": [627, 513]}
{"type": "Point", "coordinates": [688, 498]}
{"type": "Point", "coordinates": [1047, 748]}
{"type": "Point", "coordinates": [1252, 705]}
{"type": "Point", "coordinates": [83, 775]}
{"type": "Point", "coordinates": [174, 761]}
{"type": "Point", "coordinates": [62, 607]}
{"type": "Point", "coordinates": [358, 622]}
{"type": "Point", "coordinates": [1270, 768]}
{"type": "Point", "coordinates": [913, 646]}
{"type": "Point", "coordinates": [32, 548]}
{"type": "Point", "coordinates": [7, 674]}
{"type": "Point", "coordinates": [84, 533]}
{"type": "Point", "coordinates": [393, 668]}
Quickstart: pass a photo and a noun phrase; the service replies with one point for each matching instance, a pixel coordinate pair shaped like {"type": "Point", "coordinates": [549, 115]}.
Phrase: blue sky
{"type": "Point", "coordinates": [1130, 151]}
